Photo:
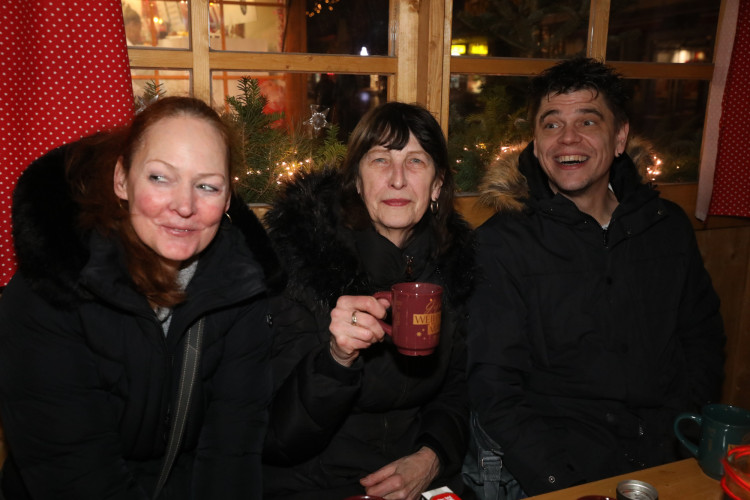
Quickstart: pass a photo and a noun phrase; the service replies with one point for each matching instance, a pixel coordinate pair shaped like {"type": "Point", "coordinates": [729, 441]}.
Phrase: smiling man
{"type": "Point", "coordinates": [594, 322]}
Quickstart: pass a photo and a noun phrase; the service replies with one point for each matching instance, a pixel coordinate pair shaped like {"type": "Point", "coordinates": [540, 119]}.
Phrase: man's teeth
{"type": "Point", "coordinates": [571, 159]}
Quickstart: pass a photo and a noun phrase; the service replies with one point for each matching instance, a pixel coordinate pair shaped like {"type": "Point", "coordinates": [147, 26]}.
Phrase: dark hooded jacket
{"type": "Point", "coordinates": [585, 342]}
{"type": "Point", "coordinates": [332, 425]}
{"type": "Point", "coordinates": [88, 376]}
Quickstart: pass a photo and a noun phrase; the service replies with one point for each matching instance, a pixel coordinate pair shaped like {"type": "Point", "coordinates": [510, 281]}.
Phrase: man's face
{"type": "Point", "coordinates": [575, 141]}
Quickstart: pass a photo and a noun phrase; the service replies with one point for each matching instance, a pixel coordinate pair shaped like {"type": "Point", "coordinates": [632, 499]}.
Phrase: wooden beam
{"type": "Point", "coordinates": [406, 51]}
{"type": "Point", "coordinates": [303, 63]}
{"type": "Point", "coordinates": [199, 44]}
{"type": "Point", "coordinates": [596, 43]}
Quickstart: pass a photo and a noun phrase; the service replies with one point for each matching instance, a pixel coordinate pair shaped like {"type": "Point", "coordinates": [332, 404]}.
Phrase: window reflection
{"type": "Point", "coordinates": [171, 82]}
{"type": "Point", "coordinates": [333, 27]}
{"type": "Point", "coordinates": [487, 116]}
{"type": "Point", "coordinates": [156, 23]}
{"type": "Point", "coordinates": [668, 31]}
{"type": "Point", "coordinates": [246, 27]}
{"type": "Point", "coordinates": [344, 97]}
{"type": "Point", "coordinates": [513, 28]}
{"type": "Point", "coordinates": [670, 115]}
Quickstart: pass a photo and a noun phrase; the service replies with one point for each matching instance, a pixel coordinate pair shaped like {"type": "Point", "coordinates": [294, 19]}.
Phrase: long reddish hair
{"type": "Point", "coordinates": [90, 166]}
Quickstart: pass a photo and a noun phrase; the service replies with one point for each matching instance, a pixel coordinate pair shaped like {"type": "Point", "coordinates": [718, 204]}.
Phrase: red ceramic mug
{"type": "Point", "coordinates": [415, 309]}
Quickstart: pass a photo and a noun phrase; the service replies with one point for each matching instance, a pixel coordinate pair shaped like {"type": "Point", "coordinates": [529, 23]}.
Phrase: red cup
{"type": "Point", "coordinates": [736, 480]}
{"type": "Point", "coordinates": [416, 312]}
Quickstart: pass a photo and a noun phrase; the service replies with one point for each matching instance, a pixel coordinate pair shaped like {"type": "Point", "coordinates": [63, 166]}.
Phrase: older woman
{"type": "Point", "coordinates": [123, 246]}
{"type": "Point", "coordinates": [350, 414]}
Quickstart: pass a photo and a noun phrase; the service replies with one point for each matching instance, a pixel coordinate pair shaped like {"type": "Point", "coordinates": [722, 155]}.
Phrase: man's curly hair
{"type": "Point", "coordinates": [581, 73]}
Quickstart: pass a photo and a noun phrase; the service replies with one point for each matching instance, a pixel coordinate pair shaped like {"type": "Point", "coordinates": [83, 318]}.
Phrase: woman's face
{"type": "Point", "coordinates": [397, 186]}
{"type": "Point", "coordinates": [178, 187]}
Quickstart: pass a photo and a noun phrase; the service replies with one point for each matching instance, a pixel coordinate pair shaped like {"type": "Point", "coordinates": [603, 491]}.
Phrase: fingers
{"type": "Point", "coordinates": [385, 483]}
{"type": "Point", "coordinates": [372, 306]}
{"type": "Point", "coordinates": [354, 326]}
{"type": "Point", "coordinates": [405, 478]}
{"type": "Point", "coordinates": [379, 475]}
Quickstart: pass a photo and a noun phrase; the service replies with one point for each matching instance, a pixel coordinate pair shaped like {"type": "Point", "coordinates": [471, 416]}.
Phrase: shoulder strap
{"type": "Point", "coordinates": [190, 363]}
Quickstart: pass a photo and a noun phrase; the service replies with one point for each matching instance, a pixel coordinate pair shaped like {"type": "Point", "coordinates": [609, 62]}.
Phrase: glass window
{"type": "Point", "coordinates": [246, 27]}
{"type": "Point", "coordinates": [666, 31]}
{"type": "Point", "coordinates": [512, 28]}
{"type": "Point", "coordinates": [342, 99]}
{"type": "Point", "coordinates": [487, 116]}
{"type": "Point", "coordinates": [321, 27]}
{"type": "Point", "coordinates": [169, 82]}
{"type": "Point", "coordinates": [157, 23]}
{"type": "Point", "coordinates": [669, 114]}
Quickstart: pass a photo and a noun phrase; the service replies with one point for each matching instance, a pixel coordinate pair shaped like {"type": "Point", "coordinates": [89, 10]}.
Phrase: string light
{"type": "Point", "coordinates": [322, 6]}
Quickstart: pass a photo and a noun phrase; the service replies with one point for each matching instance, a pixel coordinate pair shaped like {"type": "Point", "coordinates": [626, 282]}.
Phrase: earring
{"type": "Point", "coordinates": [228, 217]}
{"type": "Point", "coordinates": [434, 206]}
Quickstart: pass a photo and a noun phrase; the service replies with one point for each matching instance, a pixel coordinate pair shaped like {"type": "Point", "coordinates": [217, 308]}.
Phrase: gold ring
{"type": "Point", "coordinates": [354, 317]}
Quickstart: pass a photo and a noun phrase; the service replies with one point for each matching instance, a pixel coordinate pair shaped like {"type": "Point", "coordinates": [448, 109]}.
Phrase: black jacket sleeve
{"type": "Point", "coordinates": [313, 394]}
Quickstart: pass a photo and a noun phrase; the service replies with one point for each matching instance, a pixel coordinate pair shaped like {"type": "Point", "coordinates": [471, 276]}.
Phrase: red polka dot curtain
{"type": "Point", "coordinates": [64, 74]}
{"type": "Point", "coordinates": [724, 187]}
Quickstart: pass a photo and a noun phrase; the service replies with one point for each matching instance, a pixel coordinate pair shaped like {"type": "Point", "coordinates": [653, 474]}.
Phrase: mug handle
{"type": "Point", "coordinates": [389, 297]}
{"type": "Point", "coordinates": [691, 447]}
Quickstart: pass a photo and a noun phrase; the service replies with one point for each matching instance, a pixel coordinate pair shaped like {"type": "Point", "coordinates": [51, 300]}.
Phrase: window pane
{"type": "Point", "coordinates": [157, 23]}
{"type": "Point", "coordinates": [320, 27]}
{"type": "Point", "coordinates": [509, 28]}
{"type": "Point", "coordinates": [670, 31]}
{"type": "Point", "coordinates": [247, 27]}
{"type": "Point", "coordinates": [345, 98]}
{"type": "Point", "coordinates": [487, 115]}
{"type": "Point", "coordinates": [670, 115]}
{"type": "Point", "coordinates": [168, 82]}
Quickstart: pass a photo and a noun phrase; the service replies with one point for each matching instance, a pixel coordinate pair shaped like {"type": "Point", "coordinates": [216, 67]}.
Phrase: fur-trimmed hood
{"type": "Point", "coordinates": [515, 176]}
{"type": "Point", "coordinates": [50, 248]}
{"type": "Point", "coordinates": [319, 253]}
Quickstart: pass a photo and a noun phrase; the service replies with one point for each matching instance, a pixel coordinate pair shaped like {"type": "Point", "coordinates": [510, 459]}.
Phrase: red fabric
{"type": "Point", "coordinates": [64, 74]}
{"type": "Point", "coordinates": [731, 189]}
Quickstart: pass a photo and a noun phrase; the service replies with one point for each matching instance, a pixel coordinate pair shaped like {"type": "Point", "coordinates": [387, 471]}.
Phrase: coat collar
{"type": "Point", "coordinates": [320, 254]}
{"type": "Point", "coordinates": [516, 180]}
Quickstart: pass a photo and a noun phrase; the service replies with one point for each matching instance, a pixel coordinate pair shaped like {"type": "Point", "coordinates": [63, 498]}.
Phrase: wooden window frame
{"type": "Point", "coordinates": [418, 64]}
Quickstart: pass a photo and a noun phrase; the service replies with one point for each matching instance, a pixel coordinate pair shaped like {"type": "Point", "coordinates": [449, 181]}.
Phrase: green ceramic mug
{"type": "Point", "coordinates": [721, 428]}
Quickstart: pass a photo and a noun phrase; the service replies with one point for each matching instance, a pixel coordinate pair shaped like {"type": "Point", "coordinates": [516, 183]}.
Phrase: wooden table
{"type": "Point", "coordinates": [683, 480]}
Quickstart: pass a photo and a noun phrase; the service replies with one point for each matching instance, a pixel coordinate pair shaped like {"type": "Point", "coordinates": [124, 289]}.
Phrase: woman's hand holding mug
{"type": "Point", "coordinates": [354, 326]}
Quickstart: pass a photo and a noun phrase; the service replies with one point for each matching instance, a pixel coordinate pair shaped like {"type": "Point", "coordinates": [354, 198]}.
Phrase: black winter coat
{"type": "Point", "coordinates": [87, 376]}
{"type": "Point", "coordinates": [585, 343]}
{"type": "Point", "coordinates": [332, 425]}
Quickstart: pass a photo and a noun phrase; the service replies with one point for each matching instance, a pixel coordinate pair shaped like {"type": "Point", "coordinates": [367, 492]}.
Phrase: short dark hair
{"type": "Point", "coordinates": [389, 125]}
{"type": "Point", "coordinates": [581, 73]}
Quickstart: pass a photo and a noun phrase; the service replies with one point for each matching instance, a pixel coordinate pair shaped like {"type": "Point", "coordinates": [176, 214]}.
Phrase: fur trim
{"type": "Point", "coordinates": [319, 254]}
{"type": "Point", "coordinates": [505, 189]}
{"type": "Point", "coordinates": [49, 249]}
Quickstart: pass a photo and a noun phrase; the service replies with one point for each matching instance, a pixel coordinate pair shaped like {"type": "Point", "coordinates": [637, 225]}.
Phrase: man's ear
{"type": "Point", "coordinates": [120, 181]}
{"type": "Point", "coordinates": [622, 139]}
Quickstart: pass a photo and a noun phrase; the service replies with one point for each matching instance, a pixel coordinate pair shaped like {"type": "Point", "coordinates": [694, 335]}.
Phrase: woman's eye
{"type": "Point", "coordinates": [208, 187]}
{"type": "Point", "coordinates": [157, 178]}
